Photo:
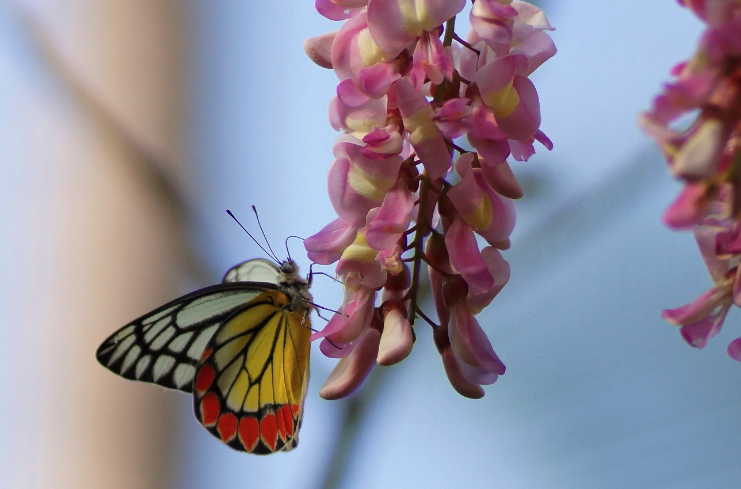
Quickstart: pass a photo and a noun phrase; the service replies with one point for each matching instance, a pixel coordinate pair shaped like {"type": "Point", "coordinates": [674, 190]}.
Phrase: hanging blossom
{"type": "Point", "coordinates": [705, 154]}
{"type": "Point", "coordinates": [409, 88]}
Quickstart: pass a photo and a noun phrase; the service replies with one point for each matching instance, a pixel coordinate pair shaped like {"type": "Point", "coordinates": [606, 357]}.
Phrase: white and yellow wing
{"type": "Point", "coordinates": [255, 270]}
{"type": "Point", "coordinates": [251, 381]}
{"type": "Point", "coordinates": [164, 346]}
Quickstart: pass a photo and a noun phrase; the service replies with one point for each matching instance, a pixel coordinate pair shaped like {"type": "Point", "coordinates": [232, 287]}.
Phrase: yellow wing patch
{"type": "Point", "coordinates": [251, 381]}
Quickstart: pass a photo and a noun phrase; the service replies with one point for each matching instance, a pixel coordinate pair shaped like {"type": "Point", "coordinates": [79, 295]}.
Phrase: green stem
{"type": "Point", "coordinates": [449, 32]}
{"type": "Point", "coordinates": [423, 229]}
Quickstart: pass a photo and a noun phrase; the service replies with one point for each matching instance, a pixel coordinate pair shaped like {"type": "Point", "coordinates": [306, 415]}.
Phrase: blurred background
{"type": "Point", "coordinates": [127, 127]}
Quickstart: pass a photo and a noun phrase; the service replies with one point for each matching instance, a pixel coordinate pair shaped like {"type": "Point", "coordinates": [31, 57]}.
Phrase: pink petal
{"type": "Point", "coordinates": [503, 213]}
{"type": "Point", "coordinates": [689, 207]}
{"type": "Point", "coordinates": [358, 120]}
{"type": "Point", "coordinates": [437, 253]}
{"type": "Point", "coordinates": [543, 139]}
{"type": "Point", "coordinates": [353, 50]}
{"type": "Point", "coordinates": [358, 315]}
{"type": "Point", "coordinates": [359, 258]}
{"type": "Point", "coordinates": [376, 80]}
{"type": "Point", "coordinates": [728, 243]}
{"type": "Point", "coordinates": [530, 21]}
{"type": "Point", "coordinates": [538, 49]}
{"type": "Point", "coordinates": [350, 95]}
{"type": "Point", "coordinates": [485, 135]}
{"type": "Point", "coordinates": [319, 49]}
{"type": "Point", "coordinates": [352, 370]}
{"type": "Point", "coordinates": [394, 23]}
{"type": "Point", "coordinates": [699, 156]}
{"type": "Point", "coordinates": [734, 349]}
{"type": "Point", "coordinates": [697, 334]}
{"type": "Point", "coordinates": [396, 340]}
{"type": "Point", "coordinates": [492, 27]}
{"type": "Point", "coordinates": [501, 179]}
{"type": "Point", "coordinates": [694, 311]}
{"type": "Point", "coordinates": [467, 196]}
{"type": "Point", "coordinates": [425, 137]}
{"type": "Point", "coordinates": [456, 378]}
{"type": "Point", "coordinates": [500, 270]}
{"type": "Point", "coordinates": [349, 205]}
{"type": "Point", "coordinates": [466, 258]}
{"type": "Point", "coordinates": [327, 245]}
{"type": "Point", "coordinates": [357, 183]}
{"type": "Point", "coordinates": [332, 11]}
{"type": "Point", "coordinates": [393, 218]}
{"type": "Point", "coordinates": [472, 347]}
{"type": "Point", "coordinates": [489, 214]}
{"type": "Point", "coordinates": [706, 237]}
{"type": "Point", "coordinates": [522, 150]}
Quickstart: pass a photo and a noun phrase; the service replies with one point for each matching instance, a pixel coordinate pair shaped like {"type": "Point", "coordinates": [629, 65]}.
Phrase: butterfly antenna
{"type": "Point", "coordinates": [286, 243]}
{"type": "Point", "coordinates": [254, 209]}
{"type": "Point", "coordinates": [250, 235]}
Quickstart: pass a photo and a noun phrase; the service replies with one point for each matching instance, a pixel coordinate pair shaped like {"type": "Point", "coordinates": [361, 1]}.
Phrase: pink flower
{"type": "Point", "coordinates": [394, 24]}
{"type": "Point", "coordinates": [426, 138]}
{"type": "Point", "coordinates": [319, 49]}
{"type": "Point", "coordinates": [344, 329]}
{"type": "Point", "coordinates": [352, 370]}
{"type": "Point", "coordinates": [326, 246]}
{"type": "Point", "coordinates": [357, 120]}
{"type": "Point", "coordinates": [510, 95]}
{"type": "Point", "coordinates": [397, 338]}
{"type": "Point", "coordinates": [466, 259]}
{"type": "Point", "coordinates": [354, 49]}
{"type": "Point", "coordinates": [358, 183]}
{"type": "Point", "coordinates": [451, 118]}
{"type": "Point", "coordinates": [486, 212]}
{"type": "Point", "coordinates": [387, 223]}
{"type": "Point", "coordinates": [361, 259]}
{"type": "Point", "coordinates": [431, 59]}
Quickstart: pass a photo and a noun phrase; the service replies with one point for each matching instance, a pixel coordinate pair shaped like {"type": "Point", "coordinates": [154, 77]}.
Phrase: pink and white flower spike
{"type": "Point", "coordinates": [706, 157]}
{"type": "Point", "coordinates": [412, 98]}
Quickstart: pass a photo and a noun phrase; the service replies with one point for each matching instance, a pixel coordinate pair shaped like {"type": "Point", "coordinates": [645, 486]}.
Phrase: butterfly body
{"type": "Point", "coordinates": [240, 347]}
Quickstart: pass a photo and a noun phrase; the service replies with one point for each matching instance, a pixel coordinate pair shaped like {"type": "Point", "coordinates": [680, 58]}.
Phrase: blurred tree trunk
{"type": "Point", "coordinates": [92, 107]}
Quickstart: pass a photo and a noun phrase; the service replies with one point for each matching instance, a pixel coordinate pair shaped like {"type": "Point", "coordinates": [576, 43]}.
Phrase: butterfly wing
{"type": "Point", "coordinates": [255, 270]}
{"type": "Point", "coordinates": [251, 381]}
{"type": "Point", "coordinates": [164, 346]}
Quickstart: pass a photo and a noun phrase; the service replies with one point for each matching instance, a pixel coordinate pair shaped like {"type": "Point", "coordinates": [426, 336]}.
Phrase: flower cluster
{"type": "Point", "coordinates": [706, 156]}
{"type": "Point", "coordinates": [408, 89]}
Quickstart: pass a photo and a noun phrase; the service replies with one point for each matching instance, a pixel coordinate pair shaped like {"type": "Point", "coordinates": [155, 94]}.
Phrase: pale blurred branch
{"type": "Point", "coordinates": [147, 163]}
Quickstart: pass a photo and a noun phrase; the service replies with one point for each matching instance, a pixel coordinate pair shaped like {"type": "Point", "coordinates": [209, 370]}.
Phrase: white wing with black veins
{"type": "Point", "coordinates": [164, 346]}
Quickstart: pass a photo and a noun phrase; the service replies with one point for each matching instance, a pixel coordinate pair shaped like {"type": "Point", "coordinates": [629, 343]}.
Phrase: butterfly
{"type": "Point", "coordinates": [240, 347]}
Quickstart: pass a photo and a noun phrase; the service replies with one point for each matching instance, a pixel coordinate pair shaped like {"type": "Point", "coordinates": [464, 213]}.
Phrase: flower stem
{"type": "Point", "coordinates": [449, 32]}
{"type": "Point", "coordinates": [422, 230]}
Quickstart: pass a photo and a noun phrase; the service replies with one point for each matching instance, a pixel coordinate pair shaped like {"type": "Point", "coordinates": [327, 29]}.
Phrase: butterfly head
{"type": "Point", "coordinates": [289, 273]}
{"type": "Point", "coordinates": [293, 285]}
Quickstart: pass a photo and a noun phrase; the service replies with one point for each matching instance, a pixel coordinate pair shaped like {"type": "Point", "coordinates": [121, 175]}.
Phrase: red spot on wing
{"type": "Point", "coordinates": [227, 427]}
{"type": "Point", "coordinates": [294, 409]}
{"type": "Point", "coordinates": [205, 378]}
{"type": "Point", "coordinates": [287, 419]}
{"type": "Point", "coordinates": [206, 353]}
{"type": "Point", "coordinates": [210, 409]}
{"type": "Point", "coordinates": [281, 424]}
{"type": "Point", "coordinates": [249, 432]}
{"type": "Point", "coordinates": [269, 431]}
